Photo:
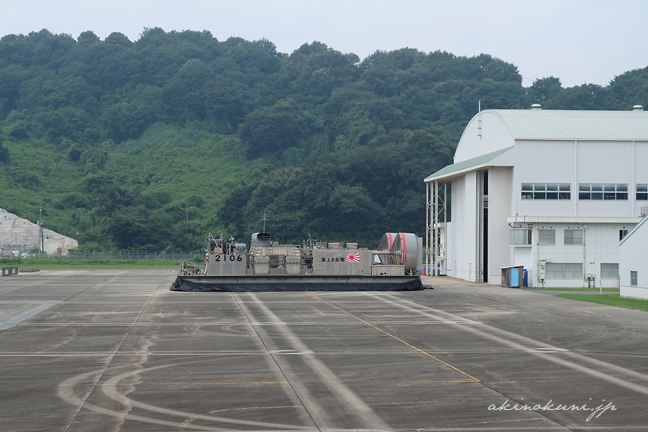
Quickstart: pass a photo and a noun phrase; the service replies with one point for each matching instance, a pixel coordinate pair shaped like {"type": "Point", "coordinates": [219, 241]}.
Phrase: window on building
{"type": "Point", "coordinates": [564, 191]}
{"type": "Point", "coordinates": [521, 236]}
{"type": "Point", "coordinates": [574, 271]}
{"type": "Point", "coordinates": [633, 278]}
{"type": "Point", "coordinates": [564, 270]}
{"type": "Point", "coordinates": [603, 191]}
{"type": "Point", "coordinates": [547, 236]}
{"type": "Point", "coordinates": [553, 271]}
{"type": "Point", "coordinates": [622, 233]}
{"type": "Point", "coordinates": [546, 191]}
{"type": "Point", "coordinates": [642, 192]}
{"type": "Point", "coordinates": [609, 271]}
{"type": "Point", "coordinates": [573, 237]}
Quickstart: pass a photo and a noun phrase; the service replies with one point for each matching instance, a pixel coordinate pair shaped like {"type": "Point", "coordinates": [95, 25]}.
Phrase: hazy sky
{"type": "Point", "coordinates": [575, 40]}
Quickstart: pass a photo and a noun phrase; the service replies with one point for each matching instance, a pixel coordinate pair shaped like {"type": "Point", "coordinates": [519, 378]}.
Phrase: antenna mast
{"type": "Point", "coordinates": [479, 123]}
{"type": "Point", "coordinates": [41, 241]}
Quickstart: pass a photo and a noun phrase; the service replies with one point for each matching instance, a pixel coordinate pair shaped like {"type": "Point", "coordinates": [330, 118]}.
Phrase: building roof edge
{"type": "Point", "coordinates": [633, 230]}
{"type": "Point", "coordinates": [466, 165]}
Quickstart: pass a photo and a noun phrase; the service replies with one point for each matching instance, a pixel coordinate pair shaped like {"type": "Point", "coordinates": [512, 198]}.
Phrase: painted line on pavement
{"type": "Point", "coordinates": [21, 315]}
{"type": "Point", "coordinates": [473, 379]}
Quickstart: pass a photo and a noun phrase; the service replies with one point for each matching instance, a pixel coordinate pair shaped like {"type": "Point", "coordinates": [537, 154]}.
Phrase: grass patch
{"type": "Point", "coordinates": [573, 289]}
{"type": "Point", "coordinates": [610, 300]}
{"type": "Point", "coordinates": [90, 264]}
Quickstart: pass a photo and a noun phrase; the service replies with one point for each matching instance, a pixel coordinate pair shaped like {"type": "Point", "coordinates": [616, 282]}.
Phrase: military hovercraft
{"type": "Point", "coordinates": [313, 266]}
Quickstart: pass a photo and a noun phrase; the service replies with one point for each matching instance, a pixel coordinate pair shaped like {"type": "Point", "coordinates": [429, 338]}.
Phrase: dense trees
{"type": "Point", "coordinates": [270, 130]}
{"type": "Point", "coordinates": [152, 143]}
{"type": "Point", "coordinates": [4, 153]}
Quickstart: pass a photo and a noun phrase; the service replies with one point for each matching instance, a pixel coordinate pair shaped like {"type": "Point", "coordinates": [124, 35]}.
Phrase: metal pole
{"type": "Point", "coordinates": [427, 228]}
{"type": "Point", "coordinates": [436, 228]}
{"type": "Point", "coordinates": [41, 240]}
{"type": "Point", "coordinates": [431, 211]}
{"type": "Point", "coordinates": [431, 227]}
{"type": "Point", "coordinates": [445, 228]}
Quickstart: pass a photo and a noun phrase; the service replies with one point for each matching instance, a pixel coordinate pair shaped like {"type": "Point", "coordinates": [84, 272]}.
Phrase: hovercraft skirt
{"type": "Point", "coordinates": [295, 283]}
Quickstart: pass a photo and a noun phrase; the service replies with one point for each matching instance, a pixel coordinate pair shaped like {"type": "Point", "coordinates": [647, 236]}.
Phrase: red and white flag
{"type": "Point", "coordinates": [353, 257]}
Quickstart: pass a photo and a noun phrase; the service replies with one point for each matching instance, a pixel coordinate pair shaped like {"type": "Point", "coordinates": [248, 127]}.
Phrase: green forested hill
{"type": "Point", "coordinates": [151, 144]}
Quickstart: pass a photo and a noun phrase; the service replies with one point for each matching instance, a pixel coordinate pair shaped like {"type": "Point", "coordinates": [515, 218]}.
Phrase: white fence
{"type": "Point", "coordinates": [116, 255]}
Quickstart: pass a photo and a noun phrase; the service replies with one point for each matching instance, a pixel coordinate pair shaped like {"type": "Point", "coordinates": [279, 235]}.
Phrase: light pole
{"type": "Point", "coordinates": [41, 241]}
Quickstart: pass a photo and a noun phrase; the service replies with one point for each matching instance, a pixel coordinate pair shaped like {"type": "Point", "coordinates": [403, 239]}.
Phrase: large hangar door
{"type": "Point", "coordinates": [482, 205]}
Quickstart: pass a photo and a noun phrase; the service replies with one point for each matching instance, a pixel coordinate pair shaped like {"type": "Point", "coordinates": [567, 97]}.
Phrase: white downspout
{"type": "Point", "coordinates": [576, 188]}
{"type": "Point", "coordinates": [632, 187]}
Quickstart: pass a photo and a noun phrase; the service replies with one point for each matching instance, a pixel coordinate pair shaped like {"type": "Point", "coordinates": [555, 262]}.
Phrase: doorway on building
{"type": "Point", "coordinates": [483, 226]}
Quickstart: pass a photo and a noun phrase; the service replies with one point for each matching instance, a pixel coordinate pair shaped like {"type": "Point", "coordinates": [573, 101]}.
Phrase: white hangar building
{"type": "Point", "coordinates": [633, 262]}
{"type": "Point", "coordinates": [552, 191]}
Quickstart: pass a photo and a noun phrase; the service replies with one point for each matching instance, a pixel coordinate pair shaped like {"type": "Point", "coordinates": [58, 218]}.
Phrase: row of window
{"type": "Point", "coordinates": [575, 271]}
{"type": "Point", "coordinates": [607, 192]}
{"type": "Point", "coordinates": [524, 236]}
{"type": "Point", "coordinates": [564, 270]}
{"type": "Point", "coordinates": [571, 237]}
{"type": "Point", "coordinates": [541, 191]}
{"type": "Point", "coordinates": [586, 191]}
{"type": "Point", "coordinates": [547, 237]}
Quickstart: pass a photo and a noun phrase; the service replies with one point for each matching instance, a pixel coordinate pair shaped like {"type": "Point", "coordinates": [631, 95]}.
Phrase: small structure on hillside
{"type": "Point", "coordinates": [19, 236]}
